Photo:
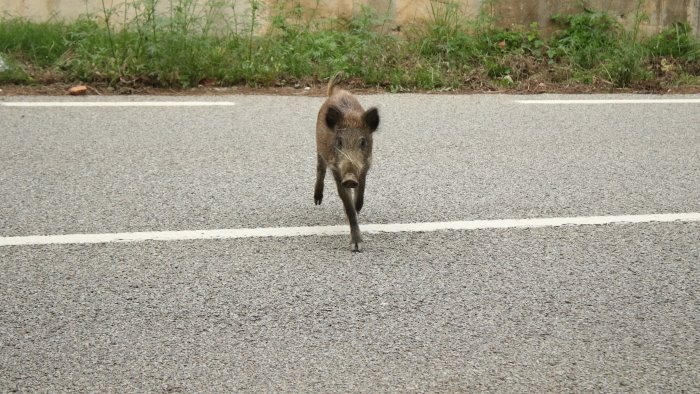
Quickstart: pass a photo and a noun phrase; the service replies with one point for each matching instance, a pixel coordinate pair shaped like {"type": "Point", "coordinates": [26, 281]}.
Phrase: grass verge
{"type": "Point", "coordinates": [179, 44]}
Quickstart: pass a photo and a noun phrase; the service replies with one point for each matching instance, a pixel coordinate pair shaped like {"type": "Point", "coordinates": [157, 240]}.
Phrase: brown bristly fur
{"type": "Point", "coordinates": [334, 81]}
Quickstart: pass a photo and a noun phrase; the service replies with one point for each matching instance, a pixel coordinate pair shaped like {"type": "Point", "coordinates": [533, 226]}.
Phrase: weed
{"type": "Point", "coordinates": [40, 43]}
{"type": "Point", "coordinates": [11, 73]}
{"type": "Point", "coordinates": [588, 38]}
{"type": "Point", "coordinates": [675, 41]}
{"type": "Point", "coordinates": [627, 67]}
{"type": "Point", "coordinates": [685, 79]}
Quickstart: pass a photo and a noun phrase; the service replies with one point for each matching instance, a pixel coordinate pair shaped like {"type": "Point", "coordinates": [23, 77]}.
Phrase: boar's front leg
{"type": "Point", "coordinates": [320, 176]}
{"type": "Point", "coordinates": [360, 191]}
{"type": "Point", "coordinates": [346, 197]}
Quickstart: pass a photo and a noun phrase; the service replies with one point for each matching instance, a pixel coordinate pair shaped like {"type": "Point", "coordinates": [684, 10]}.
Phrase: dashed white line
{"type": "Point", "coordinates": [337, 230]}
{"type": "Point", "coordinates": [31, 104]}
{"type": "Point", "coordinates": [608, 101]}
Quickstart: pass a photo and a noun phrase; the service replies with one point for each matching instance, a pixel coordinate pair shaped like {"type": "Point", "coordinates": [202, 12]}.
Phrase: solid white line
{"type": "Point", "coordinates": [337, 230]}
{"type": "Point", "coordinates": [610, 101]}
{"type": "Point", "coordinates": [116, 103]}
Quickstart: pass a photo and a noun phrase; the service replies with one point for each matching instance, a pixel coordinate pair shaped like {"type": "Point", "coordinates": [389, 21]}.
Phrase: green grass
{"type": "Point", "coordinates": [188, 44]}
{"type": "Point", "coordinates": [41, 44]}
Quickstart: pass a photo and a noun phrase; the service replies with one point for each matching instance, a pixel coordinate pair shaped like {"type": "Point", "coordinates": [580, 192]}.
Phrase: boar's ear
{"type": "Point", "coordinates": [333, 116]}
{"type": "Point", "coordinates": [371, 118]}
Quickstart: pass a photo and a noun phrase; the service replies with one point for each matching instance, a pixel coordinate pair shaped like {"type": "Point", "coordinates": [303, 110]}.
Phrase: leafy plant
{"type": "Point", "coordinates": [587, 38]}
{"type": "Point", "coordinates": [676, 41]}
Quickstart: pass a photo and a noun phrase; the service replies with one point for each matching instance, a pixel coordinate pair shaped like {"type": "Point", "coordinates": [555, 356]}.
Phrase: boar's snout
{"type": "Point", "coordinates": [350, 181]}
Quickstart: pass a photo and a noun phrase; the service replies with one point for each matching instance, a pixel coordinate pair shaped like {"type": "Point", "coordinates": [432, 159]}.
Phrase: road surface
{"type": "Point", "coordinates": [567, 306]}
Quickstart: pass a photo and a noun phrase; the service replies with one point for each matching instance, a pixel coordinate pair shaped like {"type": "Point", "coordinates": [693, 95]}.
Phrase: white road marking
{"type": "Point", "coordinates": [116, 103]}
{"type": "Point", "coordinates": [610, 101]}
{"type": "Point", "coordinates": [338, 230]}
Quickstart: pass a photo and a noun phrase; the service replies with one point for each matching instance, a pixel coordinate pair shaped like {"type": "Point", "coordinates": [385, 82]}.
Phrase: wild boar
{"type": "Point", "coordinates": [344, 145]}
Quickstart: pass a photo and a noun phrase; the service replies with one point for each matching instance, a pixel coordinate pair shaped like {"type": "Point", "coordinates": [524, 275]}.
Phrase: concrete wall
{"type": "Point", "coordinates": [400, 13]}
{"type": "Point", "coordinates": [41, 10]}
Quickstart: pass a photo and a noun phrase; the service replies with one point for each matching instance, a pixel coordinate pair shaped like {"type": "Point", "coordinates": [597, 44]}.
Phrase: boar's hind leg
{"type": "Point", "coordinates": [360, 192]}
{"type": "Point", "coordinates": [346, 197]}
{"type": "Point", "coordinates": [320, 176]}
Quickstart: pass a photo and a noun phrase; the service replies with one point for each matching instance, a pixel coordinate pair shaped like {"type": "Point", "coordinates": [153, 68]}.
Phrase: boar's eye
{"type": "Point", "coordinates": [363, 143]}
{"type": "Point", "coordinates": [339, 143]}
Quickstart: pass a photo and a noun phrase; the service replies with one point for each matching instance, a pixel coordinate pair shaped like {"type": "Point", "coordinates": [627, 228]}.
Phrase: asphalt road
{"type": "Point", "coordinates": [573, 308]}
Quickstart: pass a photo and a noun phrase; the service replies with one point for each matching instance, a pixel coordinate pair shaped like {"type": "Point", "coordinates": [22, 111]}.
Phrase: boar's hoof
{"type": "Point", "coordinates": [356, 247]}
{"type": "Point", "coordinates": [318, 198]}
